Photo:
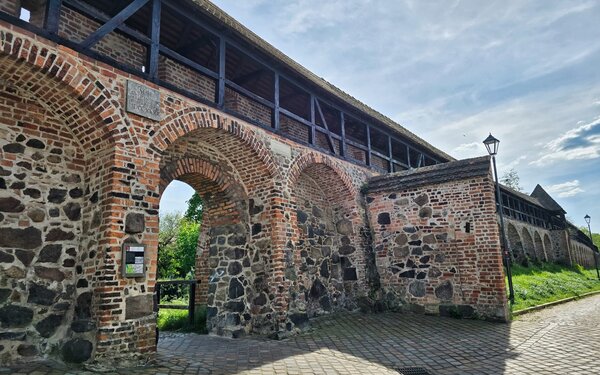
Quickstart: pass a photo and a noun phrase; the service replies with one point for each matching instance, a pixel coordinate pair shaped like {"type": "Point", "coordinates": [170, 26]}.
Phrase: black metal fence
{"type": "Point", "coordinates": [176, 289]}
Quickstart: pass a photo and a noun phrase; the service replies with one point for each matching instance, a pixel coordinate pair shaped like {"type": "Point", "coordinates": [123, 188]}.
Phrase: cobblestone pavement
{"type": "Point", "coordinates": [562, 339]}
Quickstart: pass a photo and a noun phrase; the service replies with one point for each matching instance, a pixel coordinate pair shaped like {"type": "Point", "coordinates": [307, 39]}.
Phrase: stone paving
{"type": "Point", "coordinates": [562, 339]}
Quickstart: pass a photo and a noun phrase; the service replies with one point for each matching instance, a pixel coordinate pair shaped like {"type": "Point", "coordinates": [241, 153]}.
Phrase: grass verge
{"type": "Point", "coordinates": [536, 285]}
{"type": "Point", "coordinates": [177, 320]}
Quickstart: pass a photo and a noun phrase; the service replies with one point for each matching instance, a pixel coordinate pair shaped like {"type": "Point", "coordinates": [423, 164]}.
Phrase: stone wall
{"type": "Point", "coordinates": [436, 240]}
{"type": "Point", "coordinates": [581, 254]}
{"type": "Point", "coordinates": [326, 257]}
{"type": "Point", "coordinates": [531, 244]}
{"type": "Point", "coordinates": [286, 234]}
{"type": "Point", "coordinates": [47, 220]}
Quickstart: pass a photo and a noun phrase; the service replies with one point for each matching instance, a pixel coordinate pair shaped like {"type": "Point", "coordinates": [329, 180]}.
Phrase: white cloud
{"type": "Point", "coordinates": [566, 189]}
{"type": "Point", "coordinates": [513, 164]}
{"type": "Point", "coordinates": [452, 71]}
{"type": "Point", "coordinates": [580, 143]}
{"type": "Point", "coordinates": [473, 146]}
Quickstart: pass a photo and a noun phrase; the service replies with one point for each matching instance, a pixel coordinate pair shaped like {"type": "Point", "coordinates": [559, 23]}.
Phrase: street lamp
{"type": "Point", "coordinates": [491, 144]}
{"type": "Point", "coordinates": [588, 219]}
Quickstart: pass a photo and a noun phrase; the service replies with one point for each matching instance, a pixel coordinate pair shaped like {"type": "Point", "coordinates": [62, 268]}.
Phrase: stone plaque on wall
{"type": "Point", "coordinates": [143, 100]}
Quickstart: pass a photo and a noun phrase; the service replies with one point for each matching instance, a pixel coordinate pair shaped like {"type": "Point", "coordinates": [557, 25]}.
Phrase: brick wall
{"type": "Point", "coordinates": [357, 154]}
{"type": "Point", "coordinates": [76, 27]}
{"type": "Point", "coordinates": [185, 78]}
{"type": "Point", "coordinates": [436, 240]}
{"type": "Point", "coordinates": [246, 107]}
{"type": "Point", "coordinates": [294, 128]}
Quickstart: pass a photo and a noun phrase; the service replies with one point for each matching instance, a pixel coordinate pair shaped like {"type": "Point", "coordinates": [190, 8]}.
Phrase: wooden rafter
{"type": "Point", "coordinates": [113, 23]}
{"type": "Point", "coordinates": [329, 139]}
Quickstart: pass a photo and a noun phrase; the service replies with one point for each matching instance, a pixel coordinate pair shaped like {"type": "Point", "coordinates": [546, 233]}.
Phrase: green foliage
{"type": "Point", "coordinates": [177, 320]}
{"type": "Point", "coordinates": [177, 241]}
{"type": "Point", "coordinates": [596, 239]}
{"type": "Point", "coordinates": [194, 210]}
{"type": "Point", "coordinates": [595, 236]}
{"type": "Point", "coordinates": [550, 282]}
{"type": "Point", "coordinates": [512, 180]}
{"type": "Point", "coordinates": [187, 242]}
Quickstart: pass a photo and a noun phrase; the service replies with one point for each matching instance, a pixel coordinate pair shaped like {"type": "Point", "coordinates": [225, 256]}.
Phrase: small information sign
{"type": "Point", "coordinates": [143, 100]}
{"type": "Point", "coordinates": [134, 264]}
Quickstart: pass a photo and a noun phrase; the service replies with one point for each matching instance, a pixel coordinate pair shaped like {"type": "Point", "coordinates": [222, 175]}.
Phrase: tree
{"type": "Point", "coordinates": [512, 180]}
{"type": "Point", "coordinates": [177, 241]}
{"type": "Point", "coordinates": [194, 210]}
{"type": "Point", "coordinates": [167, 248]}
{"type": "Point", "coordinates": [595, 236]}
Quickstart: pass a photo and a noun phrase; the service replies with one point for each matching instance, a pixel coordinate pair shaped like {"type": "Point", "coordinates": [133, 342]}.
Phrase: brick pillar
{"type": "Point", "coordinates": [278, 284]}
{"type": "Point", "coordinates": [202, 271]}
{"type": "Point", "coordinates": [123, 306]}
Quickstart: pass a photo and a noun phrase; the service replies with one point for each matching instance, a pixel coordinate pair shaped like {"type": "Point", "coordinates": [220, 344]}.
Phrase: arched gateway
{"type": "Point", "coordinates": [103, 104]}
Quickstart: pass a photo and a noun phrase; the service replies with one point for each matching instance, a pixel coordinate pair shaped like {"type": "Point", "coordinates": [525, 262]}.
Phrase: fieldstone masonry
{"type": "Point", "coordinates": [289, 231]}
{"type": "Point", "coordinates": [437, 241]}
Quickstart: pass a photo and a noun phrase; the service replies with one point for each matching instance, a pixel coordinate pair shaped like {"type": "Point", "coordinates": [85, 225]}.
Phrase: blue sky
{"type": "Point", "coordinates": [453, 71]}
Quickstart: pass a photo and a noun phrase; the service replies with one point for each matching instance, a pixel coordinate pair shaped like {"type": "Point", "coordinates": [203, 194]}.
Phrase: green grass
{"type": "Point", "coordinates": [177, 320]}
{"type": "Point", "coordinates": [536, 285]}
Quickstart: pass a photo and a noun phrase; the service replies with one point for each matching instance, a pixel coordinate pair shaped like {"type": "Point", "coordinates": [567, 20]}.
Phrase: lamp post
{"type": "Point", "coordinates": [491, 144]}
{"type": "Point", "coordinates": [588, 219]}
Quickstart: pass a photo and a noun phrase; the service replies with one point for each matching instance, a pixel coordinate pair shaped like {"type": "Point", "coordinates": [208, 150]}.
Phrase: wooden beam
{"type": "Point", "coordinates": [113, 23]}
{"type": "Point", "coordinates": [94, 13]}
{"type": "Point", "coordinates": [52, 15]}
{"type": "Point", "coordinates": [368, 157]}
{"type": "Point", "coordinates": [275, 122]}
{"type": "Point", "coordinates": [250, 94]}
{"type": "Point", "coordinates": [155, 45]}
{"type": "Point", "coordinates": [325, 124]}
{"type": "Point", "coordinates": [295, 117]}
{"type": "Point", "coordinates": [391, 166]}
{"type": "Point", "coordinates": [185, 61]}
{"type": "Point", "coordinates": [343, 149]}
{"type": "Point", "coordinates": [312, 120]}
{"type": "Point", "coordinates": [221, 83]}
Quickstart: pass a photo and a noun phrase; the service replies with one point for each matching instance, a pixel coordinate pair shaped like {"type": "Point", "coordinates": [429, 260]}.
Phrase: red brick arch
{"type": "Point", "coordinates": [309, 158]}
{"type": "Point", "coordinates": [189, 166]}
{"type": "Point", "coordinates": [184, 121]}
{"type": "Point", "coordinates": [40, 70]}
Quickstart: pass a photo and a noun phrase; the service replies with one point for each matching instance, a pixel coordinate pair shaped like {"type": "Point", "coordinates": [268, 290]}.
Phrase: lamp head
{"type": "Point", "coordinates": [491, 144]}
{"type": "Point", "coordinates": [587, 218]}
